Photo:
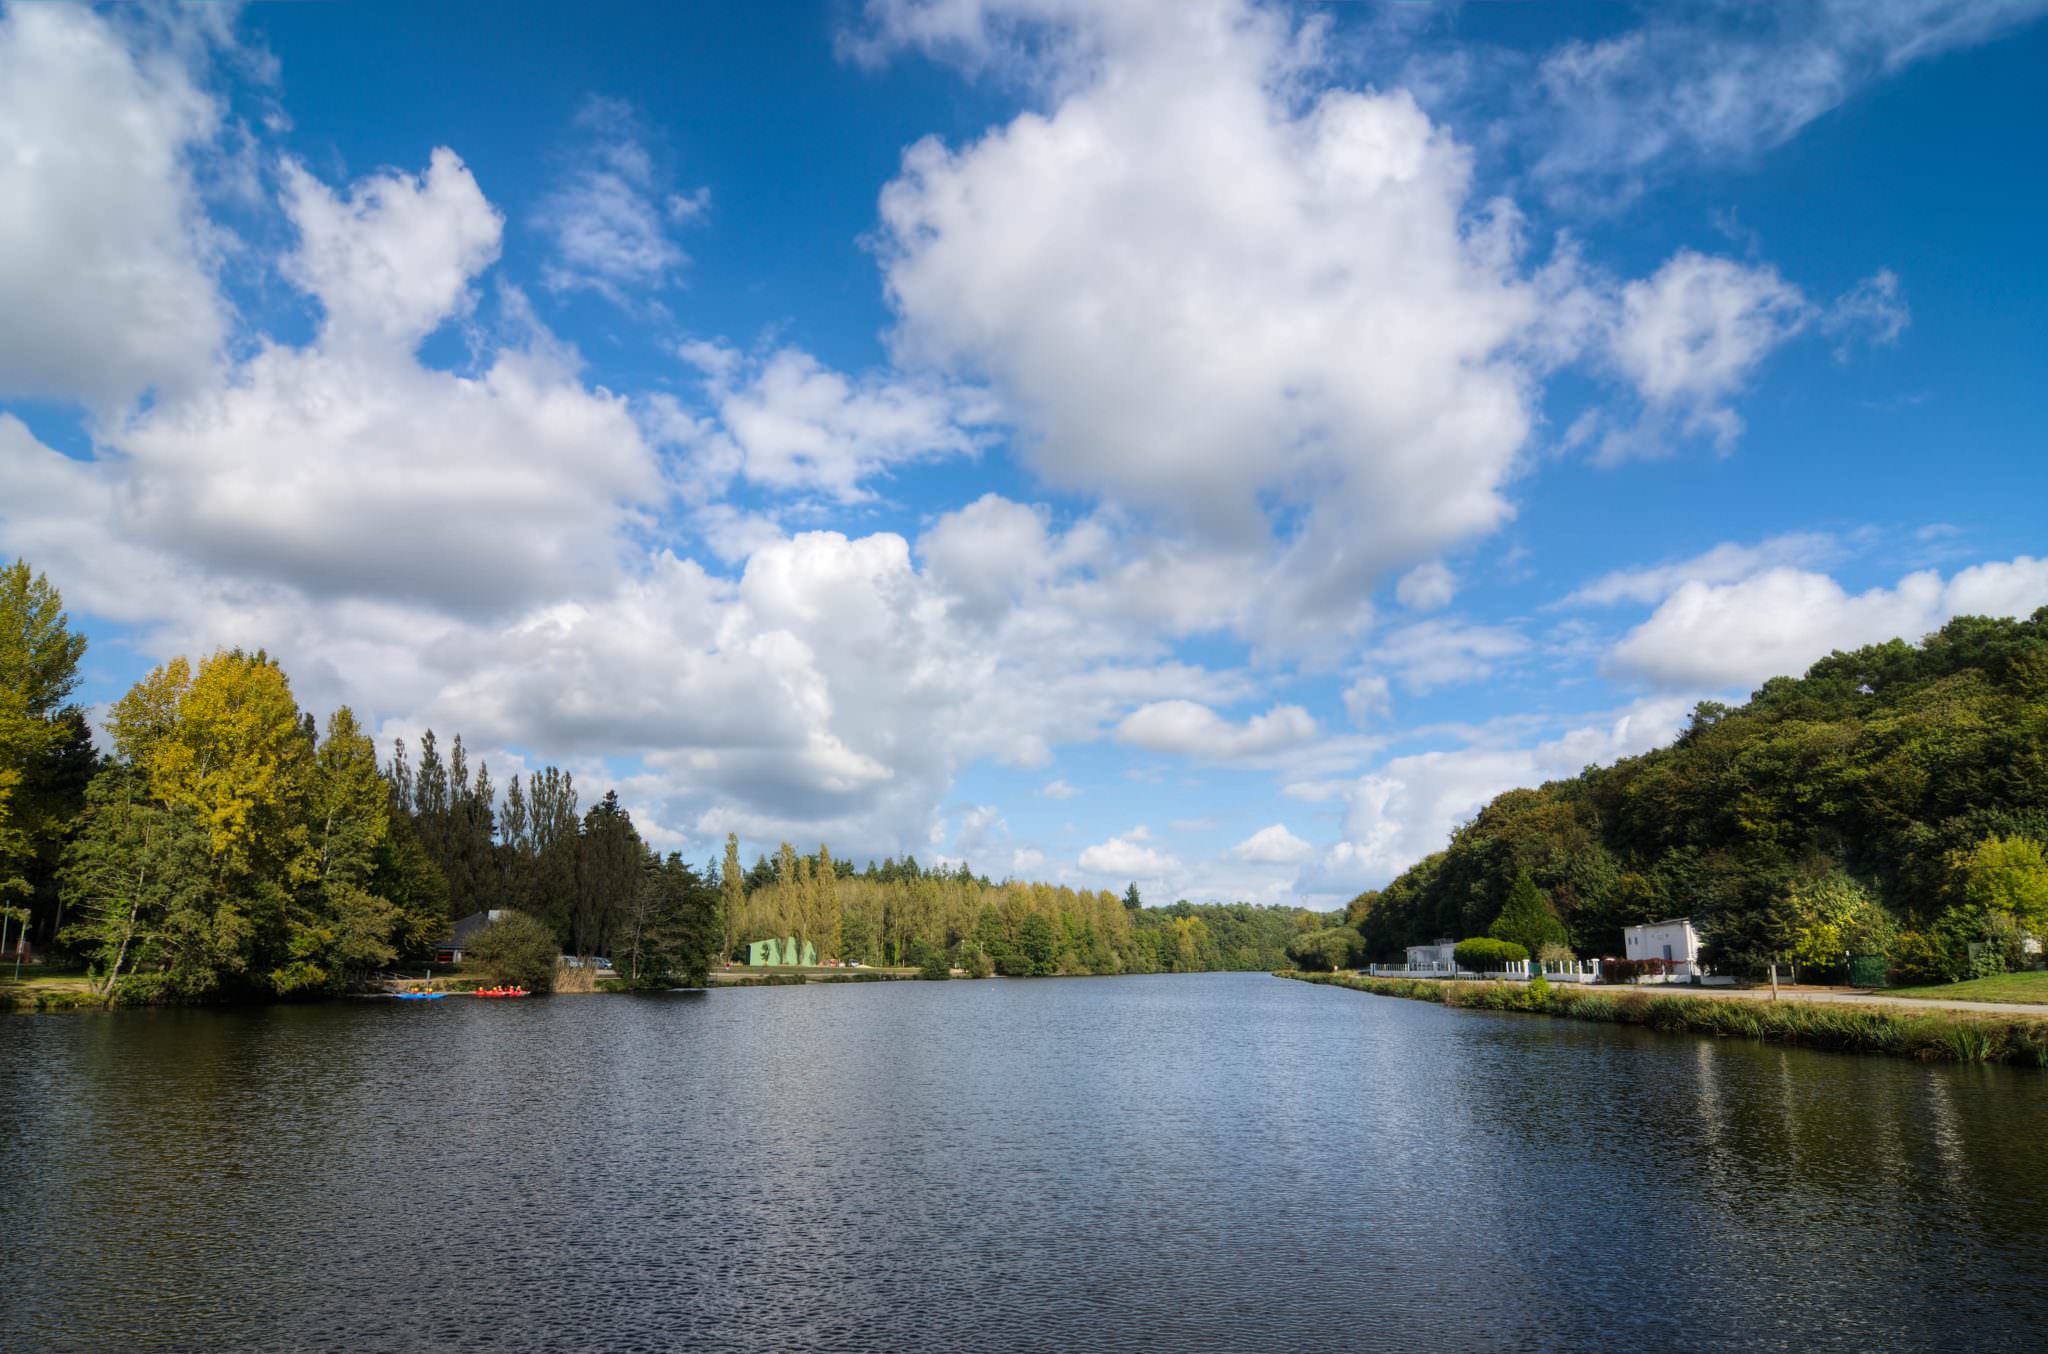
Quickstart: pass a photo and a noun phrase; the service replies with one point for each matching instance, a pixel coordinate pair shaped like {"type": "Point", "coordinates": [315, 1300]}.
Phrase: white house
{"type": "Point", "coordinates": [1440, 957]}
{"type": "Point", "coordinates": [1673, 940]}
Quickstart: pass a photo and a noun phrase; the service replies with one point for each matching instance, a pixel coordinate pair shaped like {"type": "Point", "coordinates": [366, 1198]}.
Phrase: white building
{"type": "Point", "coordinates": [1674, 941]}
{"type": "Point", "coordinates": [1440, 957]}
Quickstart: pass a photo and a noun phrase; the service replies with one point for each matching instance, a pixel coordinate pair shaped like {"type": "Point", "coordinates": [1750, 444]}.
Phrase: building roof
{"type": "Point", "coordinates": [465, 928]}
{"type": "Point", "coordinates": [1668, 921]}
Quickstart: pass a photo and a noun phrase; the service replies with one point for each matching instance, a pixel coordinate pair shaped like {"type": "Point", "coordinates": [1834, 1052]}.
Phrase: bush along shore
{"type": "Point", "coordinates": [1942, 1036]}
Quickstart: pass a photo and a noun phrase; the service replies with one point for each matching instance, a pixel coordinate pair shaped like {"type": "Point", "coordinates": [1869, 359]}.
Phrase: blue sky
{"type": "Point", "coordinates": [1212, 444]}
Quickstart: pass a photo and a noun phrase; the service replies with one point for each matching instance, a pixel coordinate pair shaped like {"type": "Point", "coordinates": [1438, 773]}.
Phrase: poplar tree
{"type": "Point", "coordinates": [825, 898]}
{"type": "Point", "coordinates": [732, 891]}
{"type": "Point", "coordinates": [513, 828]}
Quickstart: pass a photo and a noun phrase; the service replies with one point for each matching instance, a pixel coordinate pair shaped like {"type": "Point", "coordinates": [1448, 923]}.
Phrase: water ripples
{"type": "Point", "coordinates": [1214, 1162]}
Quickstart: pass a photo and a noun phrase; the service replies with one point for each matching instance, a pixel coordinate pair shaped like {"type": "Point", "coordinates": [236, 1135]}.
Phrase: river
{"type": "Point", "coordinates": [1202, 1162]}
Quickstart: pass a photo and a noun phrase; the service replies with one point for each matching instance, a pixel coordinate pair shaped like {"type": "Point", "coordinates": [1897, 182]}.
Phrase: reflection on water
{"type": "Point", "coordinates": [1188, 1162]}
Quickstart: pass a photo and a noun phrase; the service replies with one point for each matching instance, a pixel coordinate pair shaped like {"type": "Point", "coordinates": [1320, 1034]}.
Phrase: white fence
{"type": "Point", "coordinates": [1581, 971]}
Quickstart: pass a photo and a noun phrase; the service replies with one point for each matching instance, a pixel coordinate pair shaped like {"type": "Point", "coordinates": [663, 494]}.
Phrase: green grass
{"type": "Point", "coordinates": [2031, 988]}
{"type": "Point", "coordinates": [45, 989]}
{"type": "Point", "coordinates": [1941, 1036]}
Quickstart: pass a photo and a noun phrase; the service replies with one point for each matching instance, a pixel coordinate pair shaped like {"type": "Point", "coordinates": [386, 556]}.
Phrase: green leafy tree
{"type": "Point", "coordinates": [138, 878]}
{"type": "Point", "coordinates": [2009, 875]}
{"type": "Point", "coordinates": [1037, 945]}
{"type": "Point", "coordinates": [226, 743]}
{"type": "Point", "coordinates": [341, 928]}
{"type": "Point", "coordinates": [1837, 918]}
{"type": "Point", "coordinates": [929, 960]}
{"type": "Point", "coordinates": [408, 877]}
{"type": "Point", "coordinates": [671, 930]}
{"type": "Point", "coordinates": [1332, 947]}
{"type": "Point", "coordinates": [517, 949]}
{"type": "Point", "coordinates": [38, 672]}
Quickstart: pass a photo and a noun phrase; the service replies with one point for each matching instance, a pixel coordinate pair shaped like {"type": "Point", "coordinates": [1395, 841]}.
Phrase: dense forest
{"type": "Point", "coordinates": [900, 913]}
{"type": "Point", "coordinates": [1891, 802]}
{"type": "Point", "coordinates": [229, 845]}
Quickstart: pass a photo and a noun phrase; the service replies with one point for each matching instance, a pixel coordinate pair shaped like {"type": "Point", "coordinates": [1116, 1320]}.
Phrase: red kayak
{"type": "Point", "coordinates": [501, 992]}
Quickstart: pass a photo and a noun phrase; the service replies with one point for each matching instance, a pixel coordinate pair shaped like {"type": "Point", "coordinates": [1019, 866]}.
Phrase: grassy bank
{"type": "Point", "coordinates": [1942, 1035]}
{"type": "Point", "coordinates": [2031, 988]}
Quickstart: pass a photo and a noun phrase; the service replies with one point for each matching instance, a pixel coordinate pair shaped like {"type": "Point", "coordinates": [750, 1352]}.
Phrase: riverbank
{"type": "Point", "coordinates": [1947, 1035]}
{"type": "Point", "coordinates": [784, 976]}
{"type": "Point", "coordinates": [63, 991]}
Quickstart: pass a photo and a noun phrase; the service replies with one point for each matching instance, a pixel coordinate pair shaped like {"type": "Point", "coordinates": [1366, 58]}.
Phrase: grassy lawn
{"type": "Point", "coordinates": [39, 976]}
{"type": "Point", "coordinates": [44, 989]}
{"type": "Point", "coordinates": [2027, 987]}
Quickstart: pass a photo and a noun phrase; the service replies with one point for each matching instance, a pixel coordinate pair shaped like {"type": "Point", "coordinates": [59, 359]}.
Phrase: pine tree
{"type": "Point", "coordinates": [1526, 919]}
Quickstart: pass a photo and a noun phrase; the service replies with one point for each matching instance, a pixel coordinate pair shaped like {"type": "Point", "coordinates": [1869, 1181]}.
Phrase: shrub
{"type": "Point", "coordinates": [1484, 954]}
{"type": "Point", "coordinates": [2006, 938]}
{"type": "Point", "coordinates": [518, 948]}
{"type": "Point", "coordinates": [1628, 970]}
{"type": "Point", "coordinates": [1918, 960]}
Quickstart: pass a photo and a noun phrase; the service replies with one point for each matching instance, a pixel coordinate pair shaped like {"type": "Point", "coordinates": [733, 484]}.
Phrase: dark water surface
{"type": "Point", "coordinates": [1177, 1163]}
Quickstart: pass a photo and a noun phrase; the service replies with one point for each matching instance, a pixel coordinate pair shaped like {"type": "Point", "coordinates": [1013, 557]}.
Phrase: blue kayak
{"type": "Point", "coordinates": [419, 996]}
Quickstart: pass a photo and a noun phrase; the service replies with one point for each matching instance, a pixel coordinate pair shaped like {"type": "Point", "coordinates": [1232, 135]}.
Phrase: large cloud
{"type": "Point", "coordinates": [1407, 807]}
{"type": "Point", "coordinates": [105, 258]}
{"type": "Point", "coordinates": [348, 468]}
{"type": "Point", "coordinates": [1130, 856]}
{"type": "Point", "coordinates": [1201, 294]}
{"type": "Point", "coordinates": [1191, 729]}
{"type": "Point", "coordinates": [1778, 622]}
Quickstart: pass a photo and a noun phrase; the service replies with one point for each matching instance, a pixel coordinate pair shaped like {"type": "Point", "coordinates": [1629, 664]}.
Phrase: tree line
{"type": "Point", "coordinates": [897, 913]}
{"type": "Point", "coordinates": [1891, 803]}
{"type": "Point", "coordinates": [230, 845]}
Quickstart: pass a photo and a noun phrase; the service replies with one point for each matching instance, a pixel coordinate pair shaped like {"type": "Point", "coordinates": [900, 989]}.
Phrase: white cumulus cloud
{"type": "Point", "coordinates": [1778, 622]}
{"type": "Point", "coordinates": [1191, 729]}
{"type": "Point", "coordinates": [1273, 845]}
{"type": "Point", "coordinates": [1129, 857]}
{"type": "Point", "coordinates": [106, 259]}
